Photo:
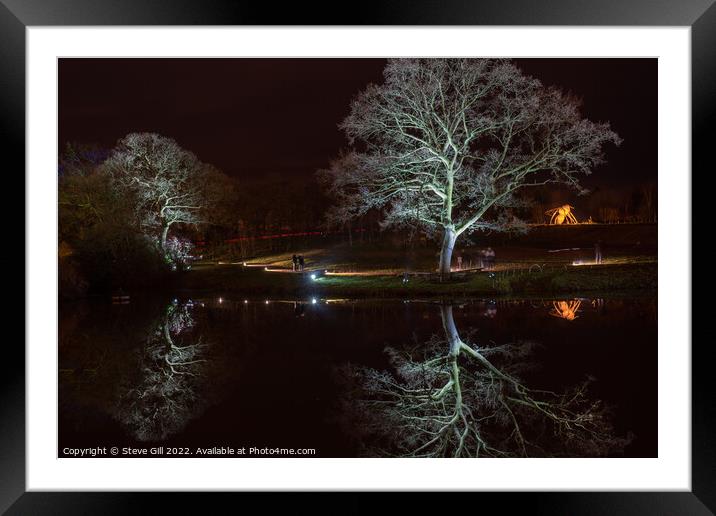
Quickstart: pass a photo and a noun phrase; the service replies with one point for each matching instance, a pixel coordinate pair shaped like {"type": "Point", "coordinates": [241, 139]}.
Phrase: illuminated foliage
{"type": "Point", "coordinates": [167, 182]}
{"type": "Point", "coordinates": [178, 251]}
{"type": "Point", "coordinates": [99, 223]}
{"type": "Point", "coordinates": [172, 375]}
{"type": "Point", "coordinates": [444, 145]}
{"type": "Point", "coordinates": [447, 398]}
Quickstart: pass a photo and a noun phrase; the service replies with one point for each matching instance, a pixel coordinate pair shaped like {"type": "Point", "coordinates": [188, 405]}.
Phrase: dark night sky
{"type": "Point", "coordinates": [250, 117]}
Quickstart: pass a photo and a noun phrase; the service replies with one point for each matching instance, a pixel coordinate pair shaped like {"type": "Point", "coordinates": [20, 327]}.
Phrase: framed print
{"type": "Point", "coordinates": [419, 249]}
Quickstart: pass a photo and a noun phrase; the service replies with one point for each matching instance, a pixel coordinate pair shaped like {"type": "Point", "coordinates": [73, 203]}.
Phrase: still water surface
{"type": "Point", "coordinates": [362, 378]}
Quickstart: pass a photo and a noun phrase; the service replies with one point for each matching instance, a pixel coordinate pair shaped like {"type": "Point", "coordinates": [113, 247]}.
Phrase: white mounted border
{"type": "Point", "coordinates": [670, 471]}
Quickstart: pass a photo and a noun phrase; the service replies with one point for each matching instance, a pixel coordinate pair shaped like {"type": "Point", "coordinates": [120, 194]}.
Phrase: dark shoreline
{"type": "Point", "coordinates": [606, 281]}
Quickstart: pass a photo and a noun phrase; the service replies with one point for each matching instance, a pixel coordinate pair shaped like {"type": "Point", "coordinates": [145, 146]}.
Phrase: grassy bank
{"type": "Point", "coordinates": [543, 245]}
{"type": "Point", "coordinates": [564, 280]}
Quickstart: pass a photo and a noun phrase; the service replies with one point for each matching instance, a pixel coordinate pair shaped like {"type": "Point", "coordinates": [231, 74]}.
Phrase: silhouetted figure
{"type": "Point", "coordinates": [459, 262]}
{"type": "Point", "coordinates": [301, 262]}
{"type": "Point", "coordinates": [295, 263]}
{"type": "Point", "coordinates": [598, 252]}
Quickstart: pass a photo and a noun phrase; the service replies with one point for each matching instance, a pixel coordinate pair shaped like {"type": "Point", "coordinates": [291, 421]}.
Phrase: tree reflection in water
{"type": "Point", "coordinates": [172, 373]}
{"type": "Point", "coordinates": [448, 398]}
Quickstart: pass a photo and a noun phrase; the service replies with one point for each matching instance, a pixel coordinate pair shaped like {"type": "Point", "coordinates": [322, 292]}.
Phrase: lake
{"type": "Point", "coordinates": [345, 378]}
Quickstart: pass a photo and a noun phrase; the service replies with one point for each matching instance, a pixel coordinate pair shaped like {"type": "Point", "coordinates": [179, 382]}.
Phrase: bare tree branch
{"type": "Point", "coordinates": [467, 133]}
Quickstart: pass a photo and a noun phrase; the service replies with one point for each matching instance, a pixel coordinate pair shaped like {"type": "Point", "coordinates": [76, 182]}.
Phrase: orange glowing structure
{"type": "Point", "coordinates": [562, 215]}
{"type": "Point", "coordinates": [566, 309]}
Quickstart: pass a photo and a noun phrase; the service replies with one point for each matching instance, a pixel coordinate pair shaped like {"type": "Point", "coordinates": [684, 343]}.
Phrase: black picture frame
{"type": "Point", "coordinates": [700, 15]}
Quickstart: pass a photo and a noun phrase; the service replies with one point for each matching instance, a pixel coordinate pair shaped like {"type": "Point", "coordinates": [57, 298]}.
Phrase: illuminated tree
{"type": "Point", "coordinates": [168, 182]}
{"type": "Point", "coordinates": [449, 399]}
{"type": "Point", "coordinates": [85, 197]}
{"type": "Point", "coordinates": [172, 375]}
{"type": "Point", "coordinates": [446, 144]}
{"type": "Point", "coordinates": [100, 224]}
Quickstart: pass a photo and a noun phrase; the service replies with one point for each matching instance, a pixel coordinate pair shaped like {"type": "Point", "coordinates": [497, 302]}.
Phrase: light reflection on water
{"type": "Point", "coordinates": [272, 371]}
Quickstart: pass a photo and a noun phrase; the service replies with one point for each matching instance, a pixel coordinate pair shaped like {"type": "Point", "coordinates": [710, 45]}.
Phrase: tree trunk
{"type": "Point", "coordinates": [168, 335]}
{"type": "Point", "coordinates": [451, 334]}
{"type": "Point", "coordinates": [448, 245]}
{"type": "Point", "coordinates": [165, 232]}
